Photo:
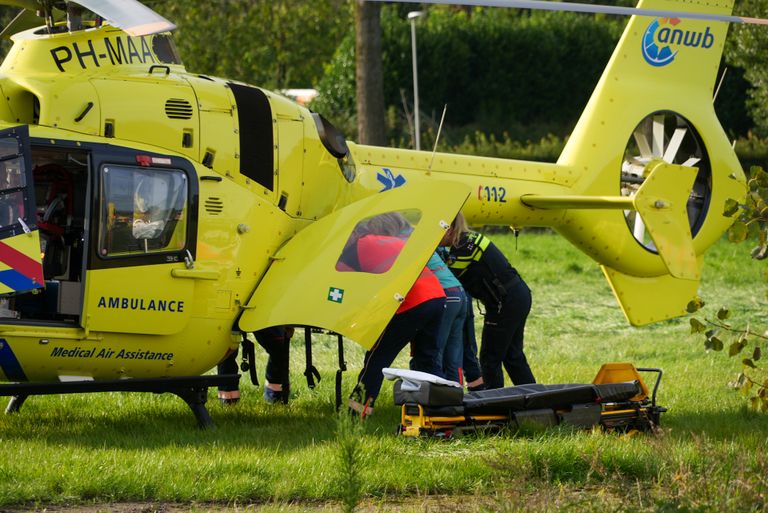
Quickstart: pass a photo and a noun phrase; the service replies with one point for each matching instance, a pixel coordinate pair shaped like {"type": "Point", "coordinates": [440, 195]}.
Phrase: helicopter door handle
{"type": "Point", "coordinates": [85, 112]}
{"type": "Point", "coordinates": [161, 67]}
{"type": "Point", "coordinates": [193, 274]}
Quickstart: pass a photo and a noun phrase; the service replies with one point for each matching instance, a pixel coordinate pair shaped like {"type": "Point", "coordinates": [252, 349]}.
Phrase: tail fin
{"type": "Point", "coordinates": [649, 300]}
{"type": "Point", "coordinates": [658, 63]}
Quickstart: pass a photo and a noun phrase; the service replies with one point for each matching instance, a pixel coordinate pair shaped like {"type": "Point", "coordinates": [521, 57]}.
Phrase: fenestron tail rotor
{"type": "Point", "coordinates": [588, 8]}
{"type": "Point", "coordinates": [131, 16]}
{"type": "Point", "coordinates": [669, 137]}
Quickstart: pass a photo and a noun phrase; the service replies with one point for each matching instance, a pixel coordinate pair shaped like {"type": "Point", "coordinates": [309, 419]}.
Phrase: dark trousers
{"type": "Point", "coordinates": [276, 342]}
{"type": "Point", "coordinates": [470, 363]}
{"type": "Point", "coordinates": [502, 342]}
{"type": "Point", "coordinates": [228, 366]}
{"type": "Point", "coordinates": [419, 325]}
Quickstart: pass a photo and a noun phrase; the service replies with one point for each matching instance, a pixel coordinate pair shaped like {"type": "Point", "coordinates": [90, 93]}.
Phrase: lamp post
{"type": "Point", "coordinates": [417, 134]}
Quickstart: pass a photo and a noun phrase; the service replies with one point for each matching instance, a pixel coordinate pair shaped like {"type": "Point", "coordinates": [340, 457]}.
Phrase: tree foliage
{"type": "Point", "coordinates": [746, 48]}
{"type": "Point", "coordinates": [271, 43]}
{"type": "Point", "coordinates": [744, 342]}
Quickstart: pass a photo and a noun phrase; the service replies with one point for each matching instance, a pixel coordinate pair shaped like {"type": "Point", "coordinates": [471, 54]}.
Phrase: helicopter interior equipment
{"type": "Point", "coordinates": [149, 215]}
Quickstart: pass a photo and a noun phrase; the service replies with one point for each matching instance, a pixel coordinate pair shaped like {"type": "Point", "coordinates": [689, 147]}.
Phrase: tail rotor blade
{"type": "Point", "coordinates": [658, 135]}
{"type": "Point", "coordinates": [674, 145]}
{"type": "Point", "coordinates": [642, 144]}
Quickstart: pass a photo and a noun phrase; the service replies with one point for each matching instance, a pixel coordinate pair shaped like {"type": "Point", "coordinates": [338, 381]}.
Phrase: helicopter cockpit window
{"type": "Point", "coordinates": [13, 183]}
{"type": "Point", "coordinates": [143, 210]}
{"type": "Point", "coordinates": [165, 49]}
{"type": "Point", "coordinates": [377, 241]}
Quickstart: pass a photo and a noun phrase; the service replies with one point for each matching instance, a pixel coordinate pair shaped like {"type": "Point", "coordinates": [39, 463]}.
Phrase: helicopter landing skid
{"type": "Point", "coordinates": [192, 389]}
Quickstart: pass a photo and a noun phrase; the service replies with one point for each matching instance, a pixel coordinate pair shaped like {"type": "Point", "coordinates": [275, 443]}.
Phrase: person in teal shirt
{"type": "Point", "coordinates": [450, 337]}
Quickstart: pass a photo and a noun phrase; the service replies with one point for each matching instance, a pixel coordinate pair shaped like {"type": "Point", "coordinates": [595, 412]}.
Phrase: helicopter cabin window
{"type": "Point", "coordinates": [13, 184]}
{"type": "Point", "coordinates": [377, 241]}
{"type": "Point", "coordinates": [143, 210]}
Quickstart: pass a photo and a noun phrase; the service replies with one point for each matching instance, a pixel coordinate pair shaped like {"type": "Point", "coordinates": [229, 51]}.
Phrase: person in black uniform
{"type": "Point", "coordinates": [486, 274]}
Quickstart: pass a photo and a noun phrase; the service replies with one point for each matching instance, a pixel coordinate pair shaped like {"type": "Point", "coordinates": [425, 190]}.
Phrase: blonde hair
{"type": "Point", "coordinates": [458, 227]}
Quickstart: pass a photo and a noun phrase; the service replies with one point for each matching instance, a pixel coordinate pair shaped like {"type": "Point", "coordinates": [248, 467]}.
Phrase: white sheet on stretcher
{"type": "Point", "coordinates": [412, 379]}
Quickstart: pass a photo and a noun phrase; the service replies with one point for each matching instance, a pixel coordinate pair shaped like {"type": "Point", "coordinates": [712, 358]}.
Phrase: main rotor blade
{"type": "Point", "coordinates": [588, 8]}
{"type": "Point", "coordinates": [132, 16]}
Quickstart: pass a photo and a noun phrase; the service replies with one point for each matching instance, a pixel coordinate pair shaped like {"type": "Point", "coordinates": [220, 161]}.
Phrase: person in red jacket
{"type": "Point", "coordinates": [378, 243]}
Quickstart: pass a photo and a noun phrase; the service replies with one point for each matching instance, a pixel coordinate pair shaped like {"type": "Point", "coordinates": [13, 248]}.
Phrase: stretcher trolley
{"type": "Point", "coordinates": [617, 399]}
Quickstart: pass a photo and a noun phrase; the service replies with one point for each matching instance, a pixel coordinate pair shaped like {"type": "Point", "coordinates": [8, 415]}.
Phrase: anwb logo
{"type": "Point", "coordinates": [662, 40]}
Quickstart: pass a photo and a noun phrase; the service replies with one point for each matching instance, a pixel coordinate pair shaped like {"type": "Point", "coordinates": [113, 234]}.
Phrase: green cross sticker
{"type": "Point", "coordinates": [336, 295]}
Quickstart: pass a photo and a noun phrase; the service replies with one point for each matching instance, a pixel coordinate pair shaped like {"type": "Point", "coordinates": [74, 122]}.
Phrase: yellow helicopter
{"type": "Point", "coordinates": [150, 215]}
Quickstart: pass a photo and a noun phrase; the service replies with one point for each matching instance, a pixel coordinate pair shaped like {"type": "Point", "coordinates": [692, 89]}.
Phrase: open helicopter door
{"type": "Point", "coordinates": [318, 278]}
{"type": "Point", "coordinates": [21, 267]}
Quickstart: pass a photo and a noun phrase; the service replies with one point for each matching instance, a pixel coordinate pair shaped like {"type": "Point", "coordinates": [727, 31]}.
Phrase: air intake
{"type": "Point", "coordinates": [176, 108]}
{"type": "Point", "coordinates": [214, 206]}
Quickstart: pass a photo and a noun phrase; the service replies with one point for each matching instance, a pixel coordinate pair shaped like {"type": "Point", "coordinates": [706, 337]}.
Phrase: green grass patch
{"type": "Point", "coordinates": [128, 448]}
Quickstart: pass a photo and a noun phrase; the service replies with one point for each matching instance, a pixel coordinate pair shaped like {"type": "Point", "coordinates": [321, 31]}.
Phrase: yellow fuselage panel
{"type": "Point", "coordinates": [131, 308]}
{"type": "Point", "coordinates": [47, 354]}
{"type": "Point", "coordinates": [160, 109]}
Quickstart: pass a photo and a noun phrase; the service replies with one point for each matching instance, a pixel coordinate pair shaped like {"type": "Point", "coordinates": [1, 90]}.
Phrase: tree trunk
{"type": "Point", "coordinates": [368, 75]}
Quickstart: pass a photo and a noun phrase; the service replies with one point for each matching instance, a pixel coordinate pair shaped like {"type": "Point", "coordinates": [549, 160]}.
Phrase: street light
{"type": "Point", "coordinates": [417, 134]}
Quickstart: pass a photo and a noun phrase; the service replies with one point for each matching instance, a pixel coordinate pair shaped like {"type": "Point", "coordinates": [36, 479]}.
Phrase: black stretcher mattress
{"type": "Point", "coordinates": [504, 400]}
{"type": "Point", "coordinates": [537, 396]}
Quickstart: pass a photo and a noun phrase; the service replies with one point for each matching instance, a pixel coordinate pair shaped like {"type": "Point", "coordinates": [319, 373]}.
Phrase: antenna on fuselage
{"type": "Point", "coordinates": [719, 84]}
{"type": "Point", "coordinates": [437, 138]}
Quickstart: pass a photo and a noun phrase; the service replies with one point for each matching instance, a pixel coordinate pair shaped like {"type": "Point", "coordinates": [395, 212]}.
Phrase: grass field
{"type": "Point", "coordinates": [98, 452]}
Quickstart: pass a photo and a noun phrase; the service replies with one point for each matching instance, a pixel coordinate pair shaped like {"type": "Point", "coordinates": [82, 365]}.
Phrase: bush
{"type": "Point", "coordinates": [547, 149]}
{"type": "Point", "coordinates": [752, 151]}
